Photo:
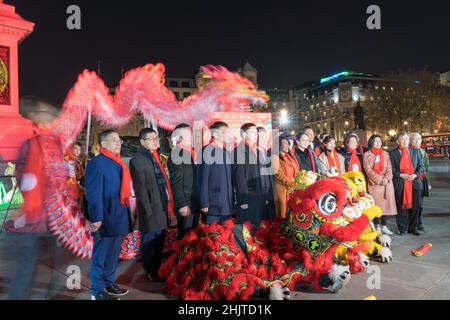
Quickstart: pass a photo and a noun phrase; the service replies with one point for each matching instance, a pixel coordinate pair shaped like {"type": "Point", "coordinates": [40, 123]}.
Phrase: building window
{"type": "Point", "coordinates": [324, 114]}
{"type": "Point", "coordinates": [186, 94]}
{"type": "Point", "coordinates": [324, 103]}
{"type": "Point", "coordinates": [185, 84]}
{"type": "Point", "coordinates": [306, 118]}
{"type": "Point", "coordinates": [176, 95]}
{"type": "Point", "coordinates": [173, 84]}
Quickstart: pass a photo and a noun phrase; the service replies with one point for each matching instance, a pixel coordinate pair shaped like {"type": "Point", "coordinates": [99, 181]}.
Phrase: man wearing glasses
{"type": "Point", "coordinates": [108, 191]}
{"type": "Point", "coordinates": [154, 200]}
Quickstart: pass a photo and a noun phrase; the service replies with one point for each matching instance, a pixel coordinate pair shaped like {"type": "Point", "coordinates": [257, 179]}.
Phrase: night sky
{"type": "Point", "coordinates": [289, 42]}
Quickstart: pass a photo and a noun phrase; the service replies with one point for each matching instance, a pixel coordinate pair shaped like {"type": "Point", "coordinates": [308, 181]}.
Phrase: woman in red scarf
{"type": "Point", "coordinates": [331, 162]}
{"type": "Point", "coordinates": [352, 154]}
{"type": "Point", "coordinates": [377, 165]}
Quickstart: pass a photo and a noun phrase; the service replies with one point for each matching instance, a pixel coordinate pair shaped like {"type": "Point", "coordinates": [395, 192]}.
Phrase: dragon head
{"type": "Point", "coordinates": [233, 89]}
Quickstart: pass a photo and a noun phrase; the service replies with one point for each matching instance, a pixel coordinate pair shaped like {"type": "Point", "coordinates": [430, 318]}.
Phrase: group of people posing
{"type": "Point", "coordinates": [249, 183]}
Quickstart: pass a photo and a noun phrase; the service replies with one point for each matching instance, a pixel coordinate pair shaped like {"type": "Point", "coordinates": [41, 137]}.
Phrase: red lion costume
{"type": "Point", "coordinates": [227, 262]}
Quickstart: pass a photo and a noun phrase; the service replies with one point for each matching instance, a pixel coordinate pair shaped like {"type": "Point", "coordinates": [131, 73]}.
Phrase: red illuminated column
{"type": "Point", "coordinates": [14, 129]}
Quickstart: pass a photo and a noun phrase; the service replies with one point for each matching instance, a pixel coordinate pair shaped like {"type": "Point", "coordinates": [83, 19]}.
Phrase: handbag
{"type": "Point", "coordinates": [131, 243]}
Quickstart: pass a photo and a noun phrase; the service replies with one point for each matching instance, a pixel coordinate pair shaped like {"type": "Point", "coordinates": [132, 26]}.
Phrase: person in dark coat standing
{"type": "Point", "coordinates": [416, 142]}
{"type": "Point", "coordinates": [215, 188]}
{"type": "Point", "coordinates": [407, 168]}
{"type": "Point", "coordinates": [108, 191]}
{"type": "Point", "coordinates": [314, 143]}
{"type": "Point", "coordinates": [252, 181]}
{"type": "Point", "coordinates": [304, 155]}
{"type": "Point", "coordinates": [153, 194]}
{"type": "Point", "coordinates": [183, 178]}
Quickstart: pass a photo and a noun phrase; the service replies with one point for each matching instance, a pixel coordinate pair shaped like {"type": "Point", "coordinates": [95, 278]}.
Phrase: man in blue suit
{"type": "Point", "coordinates": [215, 185]}
{"type": "Point", "coordinates": [108, 190]}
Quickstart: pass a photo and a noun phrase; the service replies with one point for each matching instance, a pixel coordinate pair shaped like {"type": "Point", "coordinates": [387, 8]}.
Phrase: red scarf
{"type": "Point", "coordinates": [378, 167]}
{"type": "Point", "coordinates": [406, 167]}
{"type": "Point", "coordinates": [125, 187]}
{"type": "Point", "coordinates": [333, 159]}
{"type": "Point", "coordinates": [170, 205]}
{"type": "Point", "coordinates": [353, 160]}
{"type": "Point", "coordinates": [188, 149]}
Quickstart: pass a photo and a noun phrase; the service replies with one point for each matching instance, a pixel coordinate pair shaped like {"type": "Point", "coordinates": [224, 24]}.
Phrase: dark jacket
{"type": "Point", "coordinates": [395, 156]}
{"type": "Point", "coordinates": [346, 154]}
{"type": "Point", "coordinates": [253, 186]}
{"type": "Point", "coordinates": [304, 160]}
{"type": "Point", "coordinates": [103, 181]}
{"type": "Point", "coordinates": [183, 179]}
{"type": "Point", "coordinates": [151, 216]}
{"type": "Point", "coordinates": [215, 187]}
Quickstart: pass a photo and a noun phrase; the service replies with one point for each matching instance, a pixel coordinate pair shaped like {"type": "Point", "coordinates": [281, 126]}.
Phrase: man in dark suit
{"type": "Point", "coordinates": [406, 168]}
{"type": "Point", "coordinates": [183, 179]}
{"type": "Point", "coordinates": [254, 186]}
{"type": "Point", "coordinates": [153, 194]}
{"type": "Point", "coordinates": [215, 187]}
{"type": "Point", "coordinates": [108, 191]}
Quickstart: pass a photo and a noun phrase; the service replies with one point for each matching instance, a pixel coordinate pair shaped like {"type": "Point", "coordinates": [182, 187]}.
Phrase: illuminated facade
{"type": "Point", "coordinates": [328, 105]}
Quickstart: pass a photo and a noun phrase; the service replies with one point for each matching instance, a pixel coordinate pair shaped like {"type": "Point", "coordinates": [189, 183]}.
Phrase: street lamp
{"type": "Point", "coordinates": [392, 133]}
{"type": "Point", "coordinates": [284, 117]}
{"type": "Point", "coordinates": [405, 123]}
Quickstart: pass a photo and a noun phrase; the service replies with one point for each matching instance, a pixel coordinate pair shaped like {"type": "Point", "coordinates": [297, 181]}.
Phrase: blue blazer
{"type": "Point", "coordinates": [103, 181]}
{"type": "Point", "coordinates": [214, 181]}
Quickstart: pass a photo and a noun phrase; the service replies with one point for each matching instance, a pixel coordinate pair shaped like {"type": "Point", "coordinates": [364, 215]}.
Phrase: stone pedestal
{"type": "Point", "coordinates": [362, 134]}
{"type": "Point", "coordinates": [14, 129]}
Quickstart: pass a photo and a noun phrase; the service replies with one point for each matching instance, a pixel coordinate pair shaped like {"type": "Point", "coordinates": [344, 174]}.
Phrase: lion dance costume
{"type": "Point", "coordinates": [231, 262]}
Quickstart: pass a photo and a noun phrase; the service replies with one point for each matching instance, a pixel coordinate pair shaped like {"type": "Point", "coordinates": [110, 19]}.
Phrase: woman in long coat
{"type": "Point", "coordinates": [286, 169]}
{"type": "Point", "coordinates": [378, 168]}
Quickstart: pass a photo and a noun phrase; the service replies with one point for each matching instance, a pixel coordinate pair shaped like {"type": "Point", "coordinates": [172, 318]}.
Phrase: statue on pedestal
{"type": "Point", "coordinates": [359, 117]}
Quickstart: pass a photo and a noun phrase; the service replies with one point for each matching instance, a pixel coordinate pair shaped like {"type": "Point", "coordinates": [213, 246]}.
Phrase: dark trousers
{"type": "Point", "coordinates": [152, 247]}
{"type": "Point", "coordinates": [105, 259]}
{"type": "Point", "coordinates": [185, 224]}
{"type": "Point", "coordinates": [382, 221]}
{"type": "Point", "coordinates": [419, 216]}
{"type": "Point", "coordinates": [407, 219]}
{"type": "Point", "coordinates": [212, 219]}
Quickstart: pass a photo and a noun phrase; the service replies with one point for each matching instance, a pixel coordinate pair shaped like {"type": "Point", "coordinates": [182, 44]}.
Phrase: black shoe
{"type": "Point", "coordinates": [415, 232]}
{"type": "Point", "coordinates": [421, 228]}
{"type": "Point", "coordinates": [116, 291]}
{"type": "Point", "coordinates": [103, 296]}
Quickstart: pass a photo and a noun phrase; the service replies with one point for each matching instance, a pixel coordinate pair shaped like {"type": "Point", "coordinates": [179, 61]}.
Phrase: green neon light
{"type": "Point", "coordinates": [340, 75]}
{"type": "Point", "coordinates": [7, 197]}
